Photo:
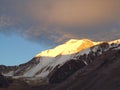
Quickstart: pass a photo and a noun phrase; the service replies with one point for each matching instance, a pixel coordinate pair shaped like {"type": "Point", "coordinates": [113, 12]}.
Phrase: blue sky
{"type": "Point", "coordinates": [30, 26]}
{"type": "Point", "coordinates": [16, 50]}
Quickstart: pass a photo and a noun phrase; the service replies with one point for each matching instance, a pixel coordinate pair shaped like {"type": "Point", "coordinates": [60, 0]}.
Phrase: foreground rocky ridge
{"type": "Point", "coordinates": [85, 70]}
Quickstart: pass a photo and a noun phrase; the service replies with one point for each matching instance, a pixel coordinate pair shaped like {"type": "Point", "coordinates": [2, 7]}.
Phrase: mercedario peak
{"type": "Point", "coordinates": [70, 47]}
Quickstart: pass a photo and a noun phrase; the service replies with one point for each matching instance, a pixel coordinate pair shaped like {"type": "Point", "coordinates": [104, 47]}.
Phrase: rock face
{"type": "Point", "coordinates": [66, 70]}
{"type": "Point", "coordinates": [102, 74]}
{"type": "Point", "coordinates": [4, 81]}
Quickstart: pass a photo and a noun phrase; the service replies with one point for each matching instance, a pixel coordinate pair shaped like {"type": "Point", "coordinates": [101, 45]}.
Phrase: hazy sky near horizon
{"type": "Point", "coordinates": [42, 24]}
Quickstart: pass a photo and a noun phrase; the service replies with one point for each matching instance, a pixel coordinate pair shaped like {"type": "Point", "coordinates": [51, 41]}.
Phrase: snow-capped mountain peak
{"type": "Point", "coordinates": [45, 63]}
{"type": "Point", "coordinates": [115, 41]}
{"type": "Point", "coordinates": [70, 47]}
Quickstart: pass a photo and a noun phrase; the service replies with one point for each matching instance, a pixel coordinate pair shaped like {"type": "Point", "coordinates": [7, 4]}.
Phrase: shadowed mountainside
{"type": "Point", "coordinates": [102, 74]}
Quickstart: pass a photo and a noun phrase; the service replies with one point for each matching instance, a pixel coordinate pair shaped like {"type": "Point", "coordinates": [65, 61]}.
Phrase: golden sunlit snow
{"type": "Point", "coordinates": [70, 47]}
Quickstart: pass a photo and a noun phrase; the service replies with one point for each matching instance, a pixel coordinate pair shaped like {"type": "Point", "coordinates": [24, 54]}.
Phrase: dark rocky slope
{"type": "Point", "coordinates": [102, 74]}
{"type": "Point", "coordinates": [5, 81]}
{"type": "Point", "coordinates": [62, 73]}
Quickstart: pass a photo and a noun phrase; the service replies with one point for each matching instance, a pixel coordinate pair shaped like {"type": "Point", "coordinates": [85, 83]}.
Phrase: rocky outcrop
{"type": "Point", "coordinates": [60, 74]}
{"type": "Point", "coordinates": [5, 81]}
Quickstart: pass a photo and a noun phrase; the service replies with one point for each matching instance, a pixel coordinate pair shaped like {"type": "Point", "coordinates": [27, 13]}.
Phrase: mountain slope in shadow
{"type": "Point", "coordinates": [102, 74]}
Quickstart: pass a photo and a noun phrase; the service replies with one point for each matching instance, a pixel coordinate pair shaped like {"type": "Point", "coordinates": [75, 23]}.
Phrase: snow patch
{"type": "Point", "coordinates": [9, 73]}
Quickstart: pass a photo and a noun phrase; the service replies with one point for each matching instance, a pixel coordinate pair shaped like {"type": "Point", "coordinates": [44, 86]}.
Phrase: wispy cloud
{"type": "Point", "coordinates": [5, 21]}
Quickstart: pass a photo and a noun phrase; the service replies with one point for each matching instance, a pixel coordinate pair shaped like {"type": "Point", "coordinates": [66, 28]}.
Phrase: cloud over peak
{"type": "Point", "coordinates": [60, 20]}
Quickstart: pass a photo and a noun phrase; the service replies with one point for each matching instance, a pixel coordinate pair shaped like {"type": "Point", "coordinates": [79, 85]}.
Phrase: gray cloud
{"type": "Point", "coordinates": [59, 20]}
{"type": "Point", "coordinates": [74, 12]}
{"type": "Point", "coordinates": [5, 21]}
